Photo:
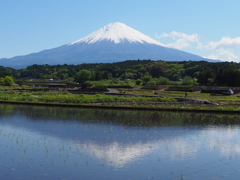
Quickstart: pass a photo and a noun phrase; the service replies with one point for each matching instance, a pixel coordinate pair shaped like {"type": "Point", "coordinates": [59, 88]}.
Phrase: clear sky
{"type": "Point", "coordinates": [209, 28]}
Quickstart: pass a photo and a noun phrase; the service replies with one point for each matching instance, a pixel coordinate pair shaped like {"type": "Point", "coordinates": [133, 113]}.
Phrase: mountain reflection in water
{"type": "Point", "coordinates": [140, 142]}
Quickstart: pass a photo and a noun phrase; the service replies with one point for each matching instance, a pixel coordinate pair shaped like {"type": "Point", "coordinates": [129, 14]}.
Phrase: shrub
{"type": "Point", "coordinates": [138, 82]}
{"type": "Point", "coordinates": [146, 79]}
{"type": "Point", "coordinates": [1, 80]}
{"type": "Point", "coordinates": [100, 85]}
{"type": "Point", "coordinates": [8, 81]}
{"type": "Point", "coordinates": [162, 81]}
{"type": "Point", "coordinates": [187, 80]}
{"type": "Point", "coordinates": [151, 82]}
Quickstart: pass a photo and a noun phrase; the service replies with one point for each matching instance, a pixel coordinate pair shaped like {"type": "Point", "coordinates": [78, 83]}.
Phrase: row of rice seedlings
{"type": "Point", "coordinates": [25, 145]}
{"type": "Point", "coordinates": [43, 144]}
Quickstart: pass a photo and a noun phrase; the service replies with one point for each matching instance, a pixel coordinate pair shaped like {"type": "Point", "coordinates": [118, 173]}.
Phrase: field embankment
{"type": "Point", "coordinates": [131, 99]}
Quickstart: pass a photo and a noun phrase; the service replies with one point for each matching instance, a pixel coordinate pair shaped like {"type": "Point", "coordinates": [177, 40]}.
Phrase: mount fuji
{"type": "Point", "coordinates": [114, 42]}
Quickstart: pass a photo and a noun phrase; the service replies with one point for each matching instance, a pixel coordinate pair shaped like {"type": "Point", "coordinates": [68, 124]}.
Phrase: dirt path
{"type": "Point", "coordinates": [113, 90]}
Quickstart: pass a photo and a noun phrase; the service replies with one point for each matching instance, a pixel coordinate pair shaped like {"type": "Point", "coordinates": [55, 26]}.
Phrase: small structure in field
{"type": "Point", "coordinates": [228, 92]}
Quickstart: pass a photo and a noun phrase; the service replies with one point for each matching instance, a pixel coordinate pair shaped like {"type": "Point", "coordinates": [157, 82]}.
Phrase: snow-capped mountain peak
{"type": "Point", "coordinates": [117, 32]}
{"type": "Point", "coordinates": [114, 42]}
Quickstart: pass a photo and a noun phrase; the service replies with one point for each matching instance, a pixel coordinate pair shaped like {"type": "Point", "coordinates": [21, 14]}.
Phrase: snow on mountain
{"type": "Point", "coordinates": [117, 33]}
{"type": "Point", "coordinates": [114, 42]}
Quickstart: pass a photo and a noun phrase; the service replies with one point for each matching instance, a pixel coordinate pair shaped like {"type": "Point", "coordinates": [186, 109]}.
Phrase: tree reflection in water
{"type": "Point", "coordinates": [73, 143]}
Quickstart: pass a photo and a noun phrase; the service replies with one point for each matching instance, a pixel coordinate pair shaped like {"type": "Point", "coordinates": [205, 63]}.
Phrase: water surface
{"type": "Point", "coordinates": [72, 143]}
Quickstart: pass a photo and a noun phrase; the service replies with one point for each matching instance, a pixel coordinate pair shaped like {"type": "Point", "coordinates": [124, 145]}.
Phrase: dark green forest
{"type": "Point", "coordinates": [204, 73]}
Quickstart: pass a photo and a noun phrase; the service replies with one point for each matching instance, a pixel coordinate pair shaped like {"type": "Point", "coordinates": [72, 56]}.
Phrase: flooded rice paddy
{"type": "Point", "coordinates": [70, 143]}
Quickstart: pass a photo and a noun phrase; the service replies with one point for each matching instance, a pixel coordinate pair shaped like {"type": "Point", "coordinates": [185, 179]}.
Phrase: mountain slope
{"type": "Point", "coordinates": [112, 43]}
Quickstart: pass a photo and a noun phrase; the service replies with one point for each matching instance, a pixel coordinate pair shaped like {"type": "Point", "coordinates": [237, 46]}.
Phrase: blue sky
{"type": "Point", "coordinates": [209, 28]}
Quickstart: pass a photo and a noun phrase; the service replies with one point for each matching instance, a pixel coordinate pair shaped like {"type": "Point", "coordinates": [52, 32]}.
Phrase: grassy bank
{"type": "Point", "coordinates": [218, 98]}
{"type": "Point", "coordinates": [226, 103]}
{"type": "Point", "coordinates": [66, 97]}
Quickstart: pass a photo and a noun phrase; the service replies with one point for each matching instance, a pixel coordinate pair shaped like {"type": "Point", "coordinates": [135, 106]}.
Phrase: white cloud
{"type": "Point", "coordinates": [224, 55]}
{"type": "Point", "coordinates": [225, 42]}
{"type": "Point", "coordinates": [222, 49]}
{"type": "Point", "coordinates": [182, 40]}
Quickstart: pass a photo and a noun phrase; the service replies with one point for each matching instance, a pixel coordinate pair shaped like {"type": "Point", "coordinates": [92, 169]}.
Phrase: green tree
{"type": "Point", "coordinates": [151, 82]}
{"type": "Point", "coordinates": [8, 81]}
{"type": "Point", "coordinates": [1, 80]}
{"type": "Point", "coordinates": [146, 78]}
{"type": "Point", "coordinates": [174, 71]}
{"type": "Point", "coordinates": [205, 76]}
{"type": "Point", "coordinates": [187, 80]}
{"type": "Point", "coordinates": [82, 76]}
{"type": "Point", "coordinates": [157, 69]}
{"type": "Point", "coordinates": [162, 81]}
{"type": "Point", "coordinates": [138, 82]}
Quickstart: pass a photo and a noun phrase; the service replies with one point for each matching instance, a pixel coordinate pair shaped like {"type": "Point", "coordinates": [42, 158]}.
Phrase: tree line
{"type": "Point", "coordinates": [204, 73]}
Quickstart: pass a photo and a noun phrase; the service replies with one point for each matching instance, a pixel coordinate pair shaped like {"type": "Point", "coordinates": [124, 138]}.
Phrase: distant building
{"type": "Point", "coordinates": [50, 80]}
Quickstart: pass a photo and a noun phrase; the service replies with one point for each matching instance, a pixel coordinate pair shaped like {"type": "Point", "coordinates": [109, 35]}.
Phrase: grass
{"type": "Point", "coordinates": [65, 97]}
{"type": "Point", "coordinates": [229, 103]}
{"type": "Point", "coordinates": [221, 99]}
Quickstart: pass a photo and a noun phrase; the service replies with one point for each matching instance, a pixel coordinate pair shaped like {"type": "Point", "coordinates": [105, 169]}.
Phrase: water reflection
{"type": "Point", "coordinates": [69, 143]}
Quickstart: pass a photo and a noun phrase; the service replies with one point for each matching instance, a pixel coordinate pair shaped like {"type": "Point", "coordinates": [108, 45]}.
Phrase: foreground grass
{"type": "Point", "coordinates": [65, 97]}
{"type": "Point", "coordinates": [229, 103]}
{"type": "Point", "coordinates": [218, 98]}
